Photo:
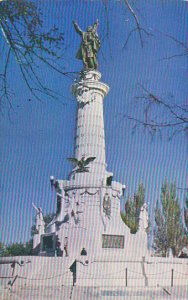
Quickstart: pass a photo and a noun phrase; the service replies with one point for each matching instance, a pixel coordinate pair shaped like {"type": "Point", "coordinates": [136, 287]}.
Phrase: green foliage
{"type": "Point", "coordinates": [169, 231]}
{"type": "Point", "coordinates": [22, 23]}
{"type": "Point", "coordinates": [29, 247]}
{"type": "Point", "coordinates": [2, 250]}
{"type": "Point", "coordinates": [132, 209]}
{"type": "Point", "coordinates": [18, 249]}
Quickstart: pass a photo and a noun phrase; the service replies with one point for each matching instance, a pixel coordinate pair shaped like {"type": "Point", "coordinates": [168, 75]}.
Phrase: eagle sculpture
{"type": "Point", "coordinates": [81, 165]}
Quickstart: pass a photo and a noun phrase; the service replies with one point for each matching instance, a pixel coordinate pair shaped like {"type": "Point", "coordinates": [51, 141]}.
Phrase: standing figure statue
{"type": "Point", "coordinates": [89, 46]}
{"type": "Point", "coordinates": [40, 224]}
{"type": "Point", "coordinates": [143, 218]}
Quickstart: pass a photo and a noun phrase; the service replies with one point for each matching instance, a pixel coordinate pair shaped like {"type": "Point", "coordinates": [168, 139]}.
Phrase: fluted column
{"type": "Point", "coordinates": [90, 138]}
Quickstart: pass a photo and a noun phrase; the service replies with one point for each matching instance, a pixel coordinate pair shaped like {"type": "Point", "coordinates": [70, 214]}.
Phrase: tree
{"type": "Point", "coordinates": [169, 231]}
{"type": "Point", "coordinates": [26, 40]}
{"type": "Point", "coordinates": [159, 113]}
{"type": "Point", "coordinates": [132, 209]}
{"type": "Point", "coordinates": [2, 250]}
{"type": "Point", "coordinates": [18, 249]}
{"type": "Point", "coordinates": [174, 116]}
{"type": "Point", "coordinates": [30, 44]}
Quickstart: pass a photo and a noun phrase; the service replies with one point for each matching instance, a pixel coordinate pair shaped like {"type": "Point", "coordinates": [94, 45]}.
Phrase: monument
{"type": "Point", "coordinates": [89, 244]}
{"type": "Point", "coordinates": [88, 217]}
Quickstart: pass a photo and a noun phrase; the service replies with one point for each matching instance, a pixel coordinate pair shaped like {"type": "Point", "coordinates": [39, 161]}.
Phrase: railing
{"type": "Point", "coordinates": [128, 276]}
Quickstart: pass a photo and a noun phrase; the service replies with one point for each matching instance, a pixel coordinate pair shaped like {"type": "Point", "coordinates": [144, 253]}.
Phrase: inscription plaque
{"type": "Point", "coordinates": [112, 241]}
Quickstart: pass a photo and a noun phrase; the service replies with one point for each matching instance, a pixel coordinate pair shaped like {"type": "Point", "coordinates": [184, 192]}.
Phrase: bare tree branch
{"type": "Point", "coordinates": [21, 26]}
{"type": "Point", "coordinates": [107, 21]}
{"type": "Point", "coordinates": [136, 20]}
{"type": "Point", "coordinates": [152, 98]}
{"type": "Point", "coordinates": [176, 117]}
{"type": "Point", "coordinates": [154, 124]}
{"type": "Point", "coordinates": [178, 42]}
{"type": "Point", "coordinates": [107, 34]}
{"type": "Point", "coordinates": [128, 37]}
{"type": "Point", "coordinates": [137, 28]}
{"type": "Point", "coordinates": [3, 77]}
{"type": "Point", "coordinates": [175, 40]}
{"type": "Point", "coordinates": [173, 56]}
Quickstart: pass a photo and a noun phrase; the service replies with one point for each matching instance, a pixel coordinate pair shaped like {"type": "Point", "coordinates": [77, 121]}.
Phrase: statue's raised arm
{"type": "Point", "coordinates": [78, 30]}
{"type": "Point", "coordinates": [89, 46]}
{"type": "Point", "coordinates": [36, 208]}
{"type": "Point", "coordinates": [96, 25]}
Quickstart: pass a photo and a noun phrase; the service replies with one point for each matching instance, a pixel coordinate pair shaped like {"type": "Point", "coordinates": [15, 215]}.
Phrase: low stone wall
{"type": "Point", "coordinates": [54, 271]}
{"type": "Point", "coordinates": [153, 272]}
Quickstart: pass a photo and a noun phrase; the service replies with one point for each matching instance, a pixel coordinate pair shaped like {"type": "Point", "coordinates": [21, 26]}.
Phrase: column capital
{"type": "Point", "coordinates": [89, 82]}
{"type": "Point", "coordinates": [92, 75]}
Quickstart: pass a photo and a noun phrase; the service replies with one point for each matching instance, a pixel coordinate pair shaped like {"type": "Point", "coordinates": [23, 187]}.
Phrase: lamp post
{"type": "Point", "coordinates": [52, 181]}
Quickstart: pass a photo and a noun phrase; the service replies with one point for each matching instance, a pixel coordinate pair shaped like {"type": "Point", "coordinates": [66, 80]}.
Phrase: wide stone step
{"type": "Point", "coordinates": [175, 293]}
{"type": "Point", "coordinates": [77, 293]}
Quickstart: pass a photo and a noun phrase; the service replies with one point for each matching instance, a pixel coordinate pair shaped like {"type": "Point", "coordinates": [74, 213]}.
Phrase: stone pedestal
{"type": "Point", "coordinates": [89, 213]}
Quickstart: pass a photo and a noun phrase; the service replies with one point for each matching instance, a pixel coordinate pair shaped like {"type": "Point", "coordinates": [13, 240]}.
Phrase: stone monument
{"type": "Point", "coordinates": [95, 255]}
{"type": "Point", "coordinates": [88, 203]}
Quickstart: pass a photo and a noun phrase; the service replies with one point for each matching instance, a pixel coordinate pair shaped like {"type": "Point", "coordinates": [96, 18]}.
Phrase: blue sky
{"type": "Point", "coordinates": [38, 136]}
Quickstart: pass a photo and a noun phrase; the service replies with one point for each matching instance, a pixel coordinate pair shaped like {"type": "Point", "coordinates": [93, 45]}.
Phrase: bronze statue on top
{"type": "Point", "coordinates": [89, 46]}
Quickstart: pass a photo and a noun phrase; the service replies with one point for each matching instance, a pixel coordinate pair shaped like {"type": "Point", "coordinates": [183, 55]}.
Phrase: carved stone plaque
{"type": "Point", "coordinates": [112, 241]}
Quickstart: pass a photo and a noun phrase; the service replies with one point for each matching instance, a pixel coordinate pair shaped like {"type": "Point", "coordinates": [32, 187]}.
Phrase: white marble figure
{"type": "Point", "coordinates": [143, 218]}
{"type": "Point", "coordinates": [39, 220]}
{"type": "Point", "coordinates": [170, 253]}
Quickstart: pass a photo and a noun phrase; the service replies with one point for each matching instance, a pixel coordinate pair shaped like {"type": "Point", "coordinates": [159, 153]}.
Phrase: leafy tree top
{"type": "Point", "coordinates": [132, 209]}
{"type": "Point", "coordinates": [169, 231]}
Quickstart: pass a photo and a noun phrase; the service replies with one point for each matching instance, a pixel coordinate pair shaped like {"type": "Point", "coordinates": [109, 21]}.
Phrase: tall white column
{"type": "Point", "coordinates": [90, 138]}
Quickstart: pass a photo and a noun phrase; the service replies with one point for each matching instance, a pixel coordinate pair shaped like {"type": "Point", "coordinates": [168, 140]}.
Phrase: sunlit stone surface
{"type": "Point", "coordinates": [87, 233]}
